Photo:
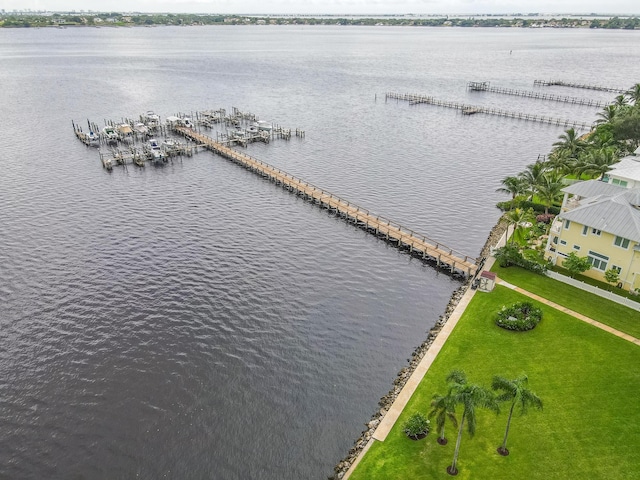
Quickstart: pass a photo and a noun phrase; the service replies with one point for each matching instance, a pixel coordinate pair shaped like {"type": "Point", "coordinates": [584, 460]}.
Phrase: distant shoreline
{"type": "Point", "coordinates": [114, 19]}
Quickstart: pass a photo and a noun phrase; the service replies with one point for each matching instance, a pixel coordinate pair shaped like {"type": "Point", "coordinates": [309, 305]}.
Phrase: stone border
{"type": "Point", "coordinates": [365, 440]}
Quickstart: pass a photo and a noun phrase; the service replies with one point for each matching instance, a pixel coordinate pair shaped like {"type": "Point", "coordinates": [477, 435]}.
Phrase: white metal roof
{"type": "Point", "coordinates": [618, 214]}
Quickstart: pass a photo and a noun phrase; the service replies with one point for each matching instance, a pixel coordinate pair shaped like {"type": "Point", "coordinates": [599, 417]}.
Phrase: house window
{"type": "Point", "coordinates": [621, 242]}
{"type": "Point", "coordinates": [622, 183]}
{"type": "Point", "coordinates": [554, 240]}
{"type": "Point", "coordinates": [576, 247]}
{"type": "Point", "coordinates": [595, 231]}
{"type": "Point", "coordinates": [616, 268]}
{"type": "Point", "coordinates": [598, 261]}
{"type": "Point", "coordinates": [563, 242]}
{"type": "Point", "coordinates": [567, 224]}
{"type": "Point", "coordinates": [585, 230]}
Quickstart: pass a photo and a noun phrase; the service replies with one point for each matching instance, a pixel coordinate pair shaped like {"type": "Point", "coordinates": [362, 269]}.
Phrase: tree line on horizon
{"type": "Point", "coordinates": [28, 19]}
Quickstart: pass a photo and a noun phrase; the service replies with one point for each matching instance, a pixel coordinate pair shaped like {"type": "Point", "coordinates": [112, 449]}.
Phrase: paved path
{"type": "Point", "coordinates": [418, 374]}
{"type": "Point", "coordinates": [577, 315]}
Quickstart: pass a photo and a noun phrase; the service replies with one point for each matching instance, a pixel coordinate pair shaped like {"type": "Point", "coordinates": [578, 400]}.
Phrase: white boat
{"type": "Point", "coordinates": [109, 133]}
{"type": "Point", "coordinates": [141, 129]}
{"type": "Point", "coordinates": [150, 119]}
{"type": "Point", "coordinates": [157, 155]}
{"type": "Point", "coordinates": [263, 126]}
{"type": "Point", "coordinates": [124, 130]}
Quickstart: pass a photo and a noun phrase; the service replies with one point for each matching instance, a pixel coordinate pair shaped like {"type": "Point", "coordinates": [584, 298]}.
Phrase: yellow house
{"type": "Point", "coordinates": [600, 221]}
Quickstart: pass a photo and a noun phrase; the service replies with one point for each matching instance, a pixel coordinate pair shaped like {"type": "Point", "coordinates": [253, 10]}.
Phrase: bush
{"type": "Point", "coordinates": [545, 217]}
{"type": "Point", "coordinates": [416, 426]}
{"type": "Point", "coordinates": [520, 316]}
{"type": "Point", "coordinates": [510, 255]}
{"type": "Point", "coordinates": [526, 204]}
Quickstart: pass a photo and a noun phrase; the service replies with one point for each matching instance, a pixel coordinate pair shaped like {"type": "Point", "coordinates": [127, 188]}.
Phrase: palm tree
{"type": "Point", "coordinates": [550, 190]}
{"type": "Point", "coordinates": [621, 101]}
{"type": "Point", "coordinates": [471, 397]}
{"type": "Point", "coordinates": [443, 407]}
{"type": "Point", "coordinates": [569, 141]}
{"type": "Point", "coordinates": [514, 186]}
{"type": "Point", "coordinates": [531, 177]}
{"type": "Point", "coordinates": [517, 392]}
{"type": "Point", "coordinates": [516, 218]}
{"type": "Point", "coordinates": [634, 94]}
{"type": "Point", "coordinates": [598, 162]}
{"type": "Point", "coordinates": [607, 114]}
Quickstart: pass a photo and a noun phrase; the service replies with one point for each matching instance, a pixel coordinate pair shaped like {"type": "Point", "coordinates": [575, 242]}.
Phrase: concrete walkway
{"type": "Point", "coordinates": [577, 315]}
{"type": "Point", "coordinates": [418, 374]}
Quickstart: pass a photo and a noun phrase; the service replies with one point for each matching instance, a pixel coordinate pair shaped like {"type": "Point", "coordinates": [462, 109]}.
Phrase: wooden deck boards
{"type": "Point", "coordinates": [380, 225]}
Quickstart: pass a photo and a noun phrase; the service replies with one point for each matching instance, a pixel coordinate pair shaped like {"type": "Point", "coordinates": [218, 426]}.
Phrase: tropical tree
{"type": "Point", "coordinates": [513, 186]}
{"type": "Point", "coordinates": [570, 142]}
{"type": "Point", "coordinates": [597, 162]}
{"type": "Point", "coordinates": [607, 114]}
{"type": "Point", "coordinates": [550, 190]}
{"type": "Point", "coordinates": [634, 94]}
{"type": "Point", "coordinates": [516, 392]}
{"type": "Point", "coordinates": [471, 397]}
{"type": "Point", "coordinates": [443, 407]}
{"type": "Point", "coordinates": [531, 177]}
{"type": "Point", "coordinates": [621, 101]}
{"type": "Point", "coordinates": [517, 218]}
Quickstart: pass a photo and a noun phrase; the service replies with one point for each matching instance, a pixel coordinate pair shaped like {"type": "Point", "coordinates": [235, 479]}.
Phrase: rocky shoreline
{"type": "Point", "coordinates": [403, 375]}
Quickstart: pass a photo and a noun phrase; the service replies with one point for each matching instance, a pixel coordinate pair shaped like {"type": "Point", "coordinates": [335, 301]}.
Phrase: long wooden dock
{"type": "Point", "coordinates": [486, 87]}
{"type": "Point", "coordinates": [406, 239]}
{"type": "Point", "coordinates": [415, 99]}
{"type": "Point", "coordinates": [561, 83]}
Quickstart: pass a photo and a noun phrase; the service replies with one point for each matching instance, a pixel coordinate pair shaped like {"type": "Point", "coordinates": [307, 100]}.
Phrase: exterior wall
{"type": "Point", "coordinates": [563, 241]}
{"type": "Point", "coordinates": [614, 179]}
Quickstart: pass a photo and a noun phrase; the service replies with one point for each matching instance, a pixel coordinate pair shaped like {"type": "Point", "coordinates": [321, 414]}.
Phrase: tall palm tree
{"type": "Point", "coordinates": [607, 114]}
{"type": "Point", "coordinates": [570, 141]}
{"type": "Point", "coordinates": [598, 162]}
{"type": "Point", "coordinates": [443, 407]}
{"type": "Point", "coordinates": [531, 177]}
{"type": "Point", "coordinates": [471, 397]}
{"type": "Point", "coordinates": [634, 94]}
{"type": "Point", "coordinates": [513, 186]}
{"type": "Point", "coordinates": [621, 101]}
{"type": "Point", "coordinates": [550, 190]}
{"type": "Point", "coordinates": [516, 218]}
{"type": "Point", "coordinates": [517, 393]}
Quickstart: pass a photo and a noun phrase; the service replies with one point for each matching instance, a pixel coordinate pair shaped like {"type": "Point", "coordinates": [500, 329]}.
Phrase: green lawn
{"type": "Point", "coordinates": [588, 379]}
{"type": "Point", "coordinates": [605, 311]}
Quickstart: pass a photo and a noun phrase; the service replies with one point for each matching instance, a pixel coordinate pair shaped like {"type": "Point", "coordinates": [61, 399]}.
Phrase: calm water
{"type": "Point", "coordinates": [195, 321]}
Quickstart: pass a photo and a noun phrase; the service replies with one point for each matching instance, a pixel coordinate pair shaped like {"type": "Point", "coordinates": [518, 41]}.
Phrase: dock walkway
{"type": "Point", "coordinates": [403, 238]}
{"type": "Point", "coordinates": [561, 83]}
{"type": "Point", "coordinates": [415, 99]}
{"type": "Point", "coordinates": [486, 87]}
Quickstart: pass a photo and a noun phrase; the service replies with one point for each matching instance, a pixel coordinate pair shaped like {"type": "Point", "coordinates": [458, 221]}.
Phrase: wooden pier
{"type": "Point", "coordinates": [415, 99]}
{"type": "Point", "coordinates": [561, 83]}
{"type": "Point", "coordinates": [486, 87]}
{"type": "Point", "coordinates": [403, 238]}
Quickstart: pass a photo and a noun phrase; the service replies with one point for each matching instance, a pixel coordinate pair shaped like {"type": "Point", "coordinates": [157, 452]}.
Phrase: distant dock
{"type": "Point", "coordinates": [416, 99]}
{"type": "Point", "coordinates": [486, 87]}
{"type": "Point", "coordinates": [562, 83]}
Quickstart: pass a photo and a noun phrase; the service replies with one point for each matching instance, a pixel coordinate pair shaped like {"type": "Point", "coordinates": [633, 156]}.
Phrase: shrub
{"type": "Point", "coordinates": [526, 204]}
{"type": "Point", "coordinates": [510, 255]}
{"type": "Point", "coordinates": [520, 316]}
{"type": "Point", "coordinates": [545, 217]}
{"type": "Point", "coordinates": [416, 426]}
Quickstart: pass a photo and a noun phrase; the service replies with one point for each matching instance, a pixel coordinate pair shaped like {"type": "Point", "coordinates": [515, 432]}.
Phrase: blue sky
{"type": "Point", "coordinates": [335, 6]}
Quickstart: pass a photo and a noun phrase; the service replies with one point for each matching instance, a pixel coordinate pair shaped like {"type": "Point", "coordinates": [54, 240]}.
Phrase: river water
{"type": "Point", "coordinates": [195, 321]}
